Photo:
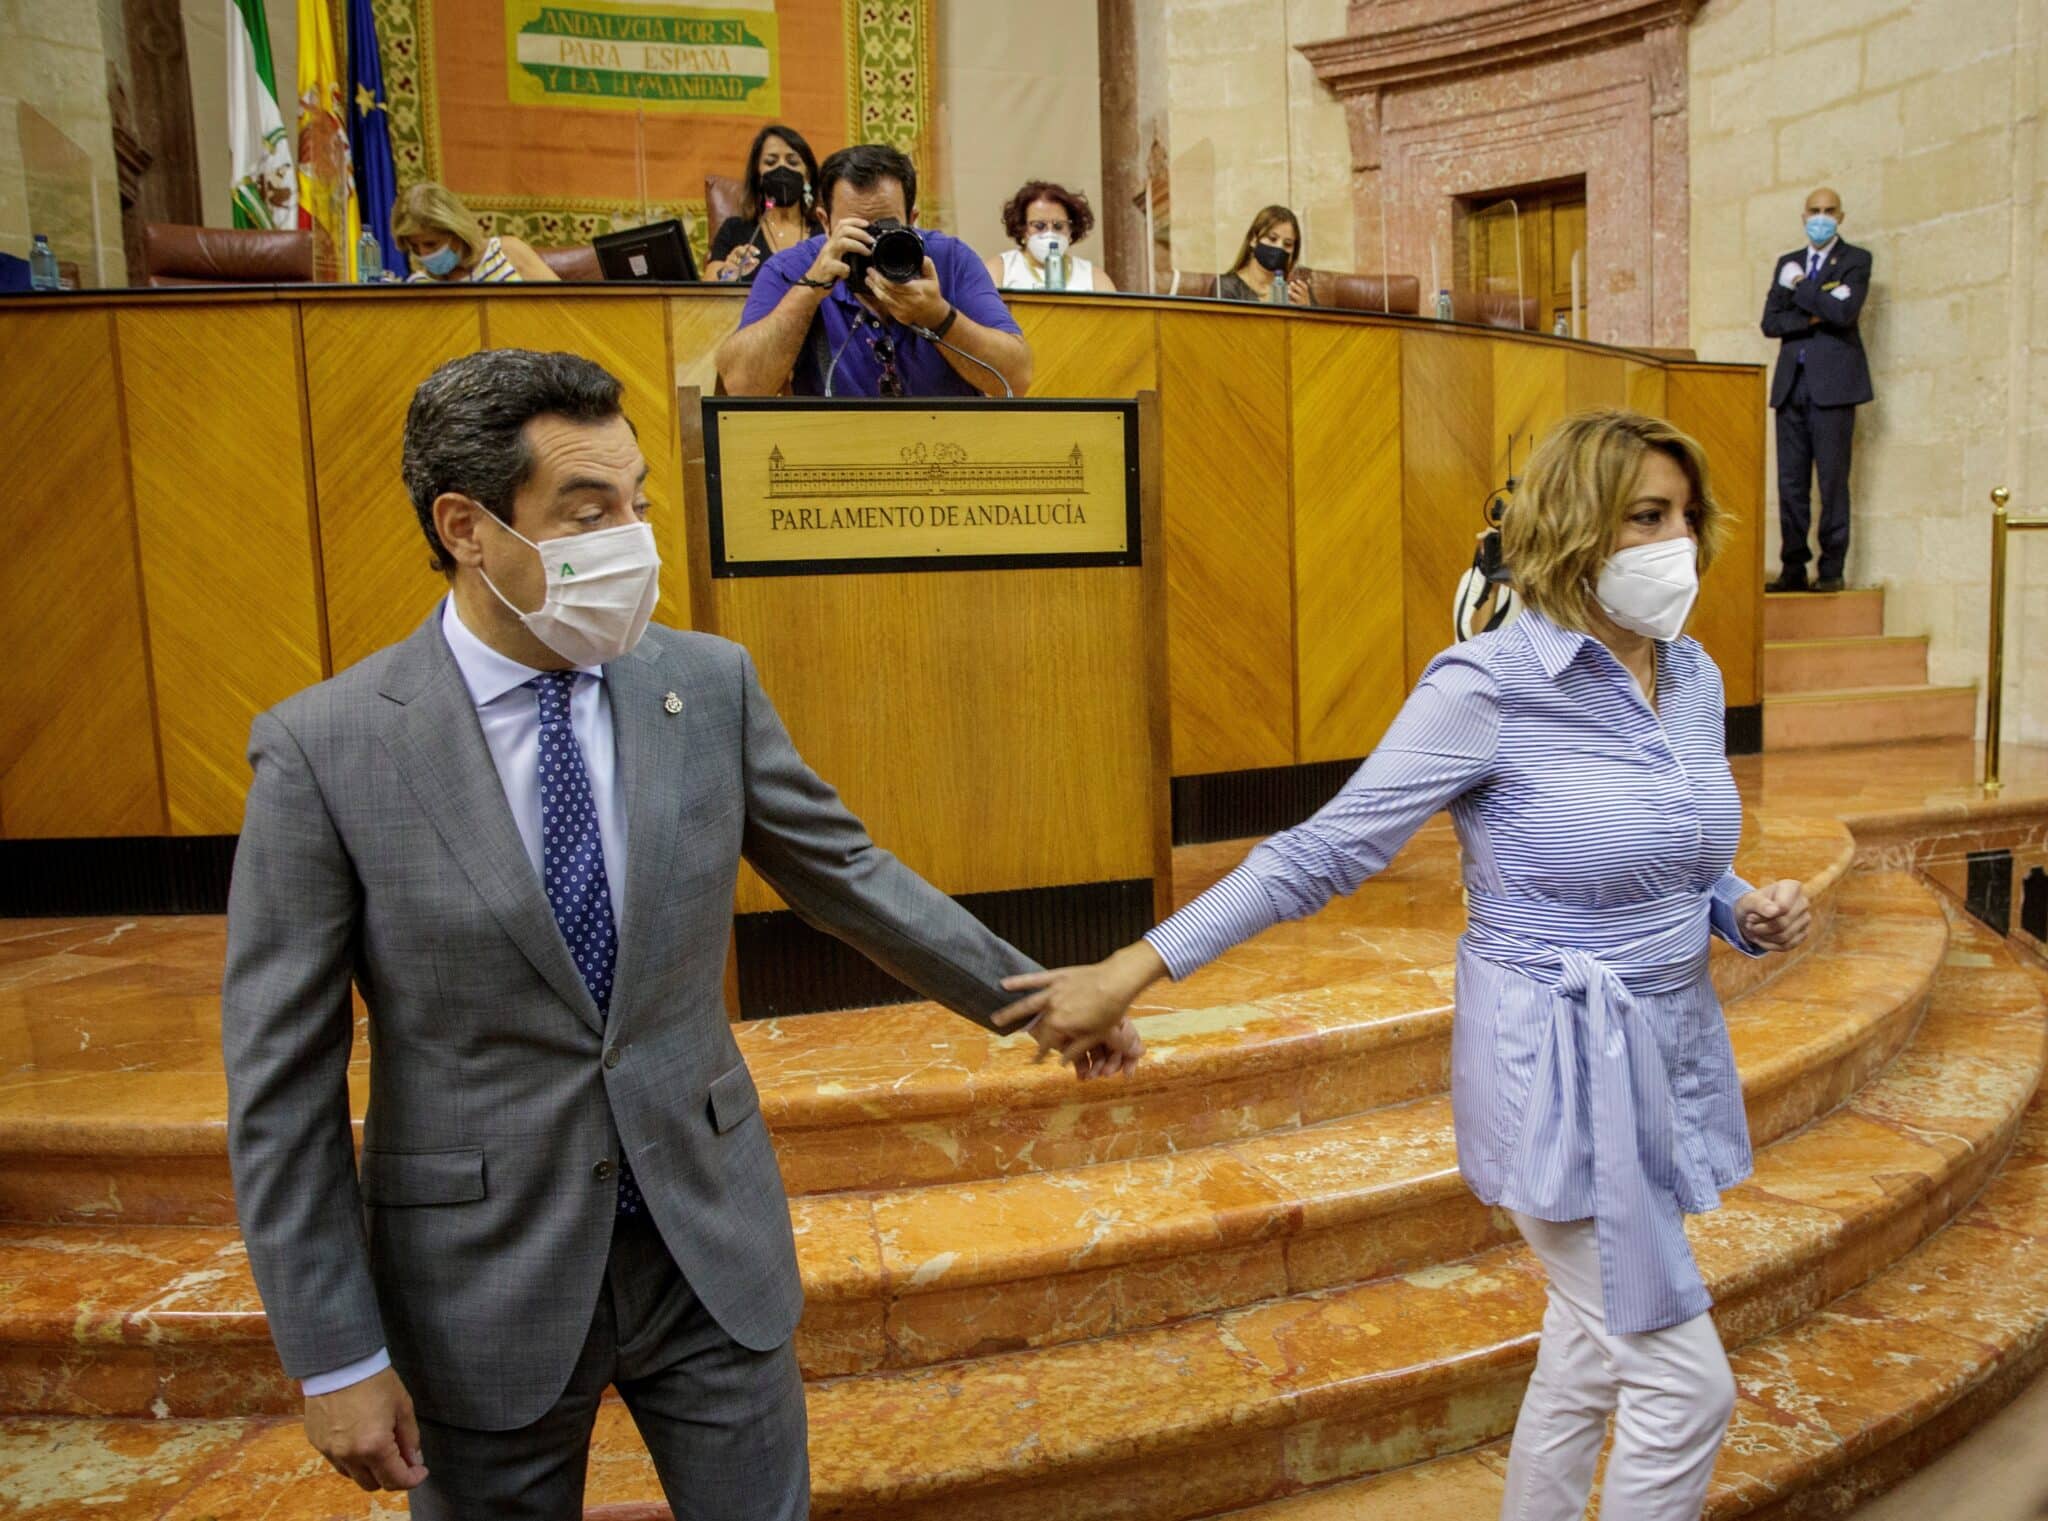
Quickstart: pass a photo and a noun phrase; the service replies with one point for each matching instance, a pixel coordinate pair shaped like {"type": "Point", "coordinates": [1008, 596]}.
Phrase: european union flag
{"type": "Point", "coordinates": [369, 133]}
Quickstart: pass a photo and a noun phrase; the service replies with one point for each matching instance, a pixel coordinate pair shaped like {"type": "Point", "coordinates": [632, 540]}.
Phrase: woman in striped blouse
{"type": "Point", "coordinates": [1580, 752]}
{"type": "Point", "coordinates": [450, 246]}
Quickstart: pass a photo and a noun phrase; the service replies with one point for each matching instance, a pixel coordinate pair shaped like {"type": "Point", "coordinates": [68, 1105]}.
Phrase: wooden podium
{"type": "Point", "coordinates": [958, 608]}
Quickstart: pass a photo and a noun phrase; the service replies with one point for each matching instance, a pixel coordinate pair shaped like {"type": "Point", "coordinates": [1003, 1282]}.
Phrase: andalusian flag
{"type": "Point", "coordinates": [327, 188]}
{"type": "Point", "coordinates": [266, 192]}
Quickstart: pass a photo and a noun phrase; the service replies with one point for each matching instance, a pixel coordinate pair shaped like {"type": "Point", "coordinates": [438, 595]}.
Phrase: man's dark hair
{"type": "Point", "coordinates": [864, 166]}
{"type": "Point", "coordinates": [465, 429]}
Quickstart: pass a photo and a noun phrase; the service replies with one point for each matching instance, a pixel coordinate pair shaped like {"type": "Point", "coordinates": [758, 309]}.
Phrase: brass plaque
{"type": "Point", "coordinates": [809, 488]}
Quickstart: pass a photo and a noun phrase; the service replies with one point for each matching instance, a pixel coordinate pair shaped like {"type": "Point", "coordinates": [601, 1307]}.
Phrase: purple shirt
{"type": "Point", "coordinates": [922, 364]}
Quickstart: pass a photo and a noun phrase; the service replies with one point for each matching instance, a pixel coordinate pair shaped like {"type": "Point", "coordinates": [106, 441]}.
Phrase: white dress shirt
{"type": "Point", "coordinates": [510, 717]}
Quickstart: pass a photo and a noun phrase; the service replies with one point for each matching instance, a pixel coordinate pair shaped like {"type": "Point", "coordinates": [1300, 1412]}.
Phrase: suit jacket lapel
{"type": "Point", "coordinates": [646, 736]}
{"type": "Point", "coordinates": [438, 745]}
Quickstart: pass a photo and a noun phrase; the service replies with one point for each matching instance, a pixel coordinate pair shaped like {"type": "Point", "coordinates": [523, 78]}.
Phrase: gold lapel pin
{"type": "Point", "coordinates": [672, 704]}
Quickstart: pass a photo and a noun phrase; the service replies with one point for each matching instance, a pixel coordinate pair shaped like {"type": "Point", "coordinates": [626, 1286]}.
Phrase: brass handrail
{"type": "Point", "coordinates": [1994, 699]}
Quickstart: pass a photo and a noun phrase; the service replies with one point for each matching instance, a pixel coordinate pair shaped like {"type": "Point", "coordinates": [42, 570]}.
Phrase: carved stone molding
{"type": "Point", "coordinates": [1362, 114]}
{"type": "Point", "coordinates": [1408, 42]}
{"type": "Point", "coordinates": [1448, 101]}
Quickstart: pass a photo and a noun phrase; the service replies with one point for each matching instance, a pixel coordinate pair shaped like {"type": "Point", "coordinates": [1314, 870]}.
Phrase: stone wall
{"type": "Point", "coordinates": [1926, 116]}
{"type": "Point", "coordinates": [1018, 99]}
{"type": "Point", "coordinates": [1248, 123]}
{"type": "Point", "coordinates": [57, 170]}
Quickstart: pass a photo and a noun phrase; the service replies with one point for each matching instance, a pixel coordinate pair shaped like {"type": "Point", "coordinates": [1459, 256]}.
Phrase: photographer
{"type": "Point", "coordinates": [829, 306]}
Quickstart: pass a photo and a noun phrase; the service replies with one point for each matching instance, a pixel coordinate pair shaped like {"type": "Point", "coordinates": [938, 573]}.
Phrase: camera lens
{"type": "Point", "coordinates": [899, 251]}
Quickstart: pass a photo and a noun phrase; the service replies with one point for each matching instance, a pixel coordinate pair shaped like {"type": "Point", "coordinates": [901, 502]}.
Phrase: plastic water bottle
{"type": "Point", "coordinates": [42, 266]}
{"type": "Point", "coordinates": [1276, 293]}
{"type": "Point", "coordinates": [369, 259]}
{"type": "Point", "coordinates": [1562, 327]}
{"type": "Point", "coordinates": [1056, 265]}
{"type": "Point", "coordinates": [1443, 306]}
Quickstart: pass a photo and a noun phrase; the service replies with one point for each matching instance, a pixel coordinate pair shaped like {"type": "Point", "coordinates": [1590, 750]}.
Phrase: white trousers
{"type": "Point", "coordinates": [1670, 1393]}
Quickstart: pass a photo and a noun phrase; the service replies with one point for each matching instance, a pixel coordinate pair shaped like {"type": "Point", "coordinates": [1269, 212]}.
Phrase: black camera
{"type": "Point", "coordinates": [898, 255]}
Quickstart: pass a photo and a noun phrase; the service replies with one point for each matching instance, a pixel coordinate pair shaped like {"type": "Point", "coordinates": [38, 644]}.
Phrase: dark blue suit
{"type": "Point", "coordinates": [1821, 378]}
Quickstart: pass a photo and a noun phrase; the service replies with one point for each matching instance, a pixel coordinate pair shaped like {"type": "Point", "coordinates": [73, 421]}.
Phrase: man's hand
{"type": "Point", "coordinates": [1076, 1008]}
{"type": "Point", "coordinates": [367, 1431]}
{"type": "Point", "coordinates": [1118, 1053]}
{"type": "Point", "coordinates": [849, 235]}
{"type": "Point", "coordinates": [1791, 274]}
{"type": "Point", "coordinates": [915, 303]}
{"type": "Point", "coordinates": [1775, 917]}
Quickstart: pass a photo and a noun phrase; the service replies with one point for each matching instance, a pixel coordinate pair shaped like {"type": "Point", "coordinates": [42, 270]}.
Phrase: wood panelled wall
{"type": "Point", "coordinates": [210, 512]}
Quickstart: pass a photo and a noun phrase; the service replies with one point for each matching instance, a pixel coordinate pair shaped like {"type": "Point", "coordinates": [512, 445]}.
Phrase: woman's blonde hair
{"type": "Point", "coordinates": [1560, 528]}
{"type": "Point", "coordinates": [428, 208]}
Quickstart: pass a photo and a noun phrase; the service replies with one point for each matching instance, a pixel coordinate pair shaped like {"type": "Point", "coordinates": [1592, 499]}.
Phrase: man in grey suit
{"type": "Point", "coordinates": [517, 834]}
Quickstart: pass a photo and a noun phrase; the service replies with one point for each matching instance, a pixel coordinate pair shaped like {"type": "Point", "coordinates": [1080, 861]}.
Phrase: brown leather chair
{"type": "Point", "coordinates": [724, 197]}
{"type": "Point", "coordinates": [174, 254]}
{"type": "Point", "coordinates": [578, 261]}
{"type": "Point", "coordinates": [1364, 293]}
{"type": "Point", "coordinates": [1191, 283]}
{"type": "Point", "coordinates": [1491, 308]}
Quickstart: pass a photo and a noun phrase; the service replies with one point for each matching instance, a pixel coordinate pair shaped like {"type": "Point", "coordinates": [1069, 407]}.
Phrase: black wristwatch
{"type": "Point", "coordinates": [946, 326]}
{"type": "Point", "coordinates": [815, 284]}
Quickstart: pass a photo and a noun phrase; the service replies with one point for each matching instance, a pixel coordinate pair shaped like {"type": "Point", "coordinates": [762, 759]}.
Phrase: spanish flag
{"type": "Point", "coordinates": [327, 186]}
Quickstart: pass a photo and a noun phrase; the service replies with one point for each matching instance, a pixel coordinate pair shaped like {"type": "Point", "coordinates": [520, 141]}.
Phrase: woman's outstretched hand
{"type": "Point", "coordinates": [1078, 1012]}
{"type": "Point", "coordinates": [1775, 917]}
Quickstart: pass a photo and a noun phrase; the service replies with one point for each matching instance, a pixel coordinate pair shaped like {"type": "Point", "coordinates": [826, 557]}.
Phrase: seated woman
{"type": "Point", "coordinates": [1039, 217]}
{"type": "Point", "coordinates": [1271, 250]}
{"type": "Point", "coordinates": [448, 245]}
{"type": "Point", "coordinates": [779, 211]}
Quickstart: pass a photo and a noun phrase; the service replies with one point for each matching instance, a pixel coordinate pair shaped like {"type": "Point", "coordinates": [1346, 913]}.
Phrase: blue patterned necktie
{"type": "Point", "coordinates": [572, 862]}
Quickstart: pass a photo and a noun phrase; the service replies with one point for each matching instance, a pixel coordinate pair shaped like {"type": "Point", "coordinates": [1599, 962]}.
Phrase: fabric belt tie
{"type": "Point", "coordinates": [1646, 1166]}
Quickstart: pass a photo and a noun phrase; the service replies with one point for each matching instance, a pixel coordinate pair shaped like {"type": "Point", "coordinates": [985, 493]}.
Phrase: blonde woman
{"type": "Point", "coordinates": [449, 245]}
{"type": "Point", "coordinates": [1580, 753]}
{"type": "Point", "coordinates": [1271, 251]}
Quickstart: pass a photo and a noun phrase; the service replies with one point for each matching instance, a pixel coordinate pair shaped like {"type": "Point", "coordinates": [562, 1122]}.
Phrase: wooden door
{"type": "Point", "coordinates": [1551, 223]}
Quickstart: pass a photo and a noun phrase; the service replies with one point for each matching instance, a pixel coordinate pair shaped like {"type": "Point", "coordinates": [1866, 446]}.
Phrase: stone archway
{"type": "Point", "coordinates": [1456, 98]}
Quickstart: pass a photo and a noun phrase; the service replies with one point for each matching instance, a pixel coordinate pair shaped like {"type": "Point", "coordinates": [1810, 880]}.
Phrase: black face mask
{"type": "Point", "coordinates": [785, 187]}
{"type": "Point", "coordinates": [1271, 256]}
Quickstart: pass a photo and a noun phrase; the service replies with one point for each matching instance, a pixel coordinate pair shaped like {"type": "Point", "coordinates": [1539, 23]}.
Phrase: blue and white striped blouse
{"type": "Point", "coordinates": [1591, 1074]}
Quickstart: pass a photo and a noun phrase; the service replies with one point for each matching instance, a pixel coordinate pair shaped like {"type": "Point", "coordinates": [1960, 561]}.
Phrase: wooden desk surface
{"type": "Point", "coordinates": [210, 513]}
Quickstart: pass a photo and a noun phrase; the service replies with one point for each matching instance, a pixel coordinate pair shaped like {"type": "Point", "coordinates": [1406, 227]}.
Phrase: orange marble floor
{"type": "Point", "coordinates": [1246, 1272]}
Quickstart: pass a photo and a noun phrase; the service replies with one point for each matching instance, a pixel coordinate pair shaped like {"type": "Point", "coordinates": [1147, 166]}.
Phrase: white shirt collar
{"type": "Point", "coordinates": [1824, 250]}
{"type": "Point", "coordinates": [488, 674]}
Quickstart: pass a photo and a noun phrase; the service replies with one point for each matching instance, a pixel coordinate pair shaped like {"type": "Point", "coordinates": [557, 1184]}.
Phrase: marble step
{"type": "Point", "coordinates": [1855, 613]}
{"type": "Point", "coordinates": [1869, 716]}
{"type": "Point", "coordinates": [1844, 1404]}
{"type": "Point", "coordinates": [1240, 1409]}
{"type": "Point", "coordinates": [1336, 1015]}
{"type": "Point", "coordinates": [1824, 665]}
{"type": "Point", "coordinates": [126, 1319]}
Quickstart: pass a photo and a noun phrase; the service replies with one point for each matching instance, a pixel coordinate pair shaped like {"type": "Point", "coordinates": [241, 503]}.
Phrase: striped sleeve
{"type": "Point", "coordinates": [1727, 893]}
{"type": "Point", "coordinates": [1441, 745]}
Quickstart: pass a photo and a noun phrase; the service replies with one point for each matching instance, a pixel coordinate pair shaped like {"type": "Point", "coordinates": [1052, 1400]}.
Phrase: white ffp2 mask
{"type": "Point", "coordinates": [601, 591]}
{"type": "Point", "coordinates": [1043, 245]}
{"type": "Point", "coordinates": [1649, 589]}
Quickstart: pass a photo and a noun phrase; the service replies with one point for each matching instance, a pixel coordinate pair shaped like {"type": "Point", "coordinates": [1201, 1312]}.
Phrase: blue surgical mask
{"type": "Point", "coordinates": [1820, 230]}
{"type": "Point", "coordinates": [440, 262]}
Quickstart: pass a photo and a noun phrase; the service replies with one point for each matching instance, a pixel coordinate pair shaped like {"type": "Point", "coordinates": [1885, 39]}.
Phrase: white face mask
{"type": "Point", "coordinates": [602, 588]}
{"type": "Point", "coordinates": [1043, 245]}
{"type": "Point", "coordinates": [1650, 589]}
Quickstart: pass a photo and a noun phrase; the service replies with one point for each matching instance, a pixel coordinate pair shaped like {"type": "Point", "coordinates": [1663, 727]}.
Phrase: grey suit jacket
{"type": "Point", "coordinates": [378, 850]}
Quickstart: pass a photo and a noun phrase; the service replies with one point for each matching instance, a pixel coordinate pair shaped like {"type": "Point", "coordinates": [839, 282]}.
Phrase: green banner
{"type": "Point", "coordinates": [632, 57]}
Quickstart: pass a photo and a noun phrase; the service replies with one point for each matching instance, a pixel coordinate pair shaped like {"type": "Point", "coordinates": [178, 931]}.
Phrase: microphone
{"type": "Point", "coordinates": [852, 330]}
{"type": "Point", "coordinates": [931, 337]}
